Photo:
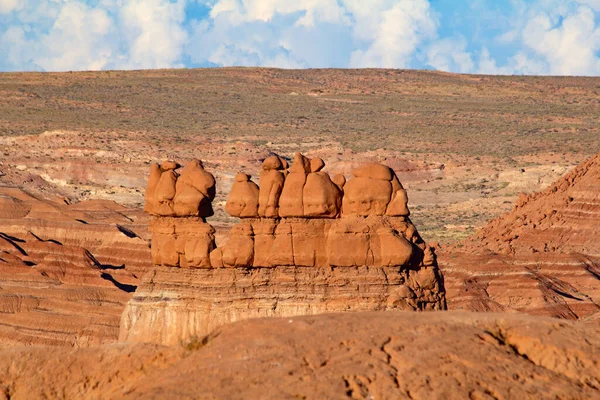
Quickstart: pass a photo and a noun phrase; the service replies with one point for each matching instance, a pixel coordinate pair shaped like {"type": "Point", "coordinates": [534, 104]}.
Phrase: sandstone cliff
{"type": "Point", "coordinates": [542, 258]}
{"type": "Point", "coordinates": [306, 244]}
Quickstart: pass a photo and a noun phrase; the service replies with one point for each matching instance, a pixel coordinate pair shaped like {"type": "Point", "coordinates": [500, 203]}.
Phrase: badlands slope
{"type": "Point", "coordinates": [541, 258]}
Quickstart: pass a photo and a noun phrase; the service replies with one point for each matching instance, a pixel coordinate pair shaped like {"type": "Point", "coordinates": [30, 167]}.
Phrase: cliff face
{"type": "Point", "coordinates": [172, 305]}
{"type": "Point", "coordinates": [306, 244]}
{"type": "Point", "coordinates": [66, 270]}
{"type": "Point", "coordinates": [542, 258]}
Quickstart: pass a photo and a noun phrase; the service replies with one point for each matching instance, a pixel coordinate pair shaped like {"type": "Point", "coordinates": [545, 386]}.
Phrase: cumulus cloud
{"type": "Point", "coordinates": [78, 37]}
{"type": "Point", "coordinates": [312, 33]}
{"type": "Point", "coordinates": [393, 33]}
{"type": "Point", "coordinates": [550, 37]}
{"type": "Point", "coordinates": [568, 49]}
{"type": "Point", "coordinates": [61, 35]}
{"type": "Point", "coordinates": [152, 32]}
{"type": "Point", "coordinates": [517, 37]}
{"type": "Point", "coordinates": [450, 54]}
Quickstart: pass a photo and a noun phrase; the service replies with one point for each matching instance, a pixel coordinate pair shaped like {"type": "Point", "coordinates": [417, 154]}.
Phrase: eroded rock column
{"type": "Point", "coordinates": [179, 201]}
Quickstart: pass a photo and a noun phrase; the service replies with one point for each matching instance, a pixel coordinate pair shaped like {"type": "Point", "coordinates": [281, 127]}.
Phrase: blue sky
{"type": "Point", "coordinates": [541, 37]}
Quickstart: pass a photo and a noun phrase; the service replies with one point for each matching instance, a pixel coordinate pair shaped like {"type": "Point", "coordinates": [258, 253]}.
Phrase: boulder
{"type": "Point", "coordinates": [169, 165]}
{"type": "Point", "coordinates": [300, 164]}
{"type": "Point", "coordinates": [316, 164]}
{"type": "Point", "coordinates": [195, 190]}
{"type": "Point", "coordinates": [271, 184]}
{"type": "Point", "coordinates": [272, 163]}
{"type": "Point", "coordinates": [264, 238]}
{"type": "Point", "coordinates": [394, 249]}
{"type": "Point", "coordinates": [339, 180]}
{"type": "Point", "coordinates": [321, 197]}
{"type": "Point", "coordinates": [348, 243]}
{"type": "Point", "coordinates": [366, 196]}
{"type": "Point", "coordinates": [239, 249]}
{"type": "Point", "coordinates": [290, 201]}
{"type": "Point", "coordinates": [165, 193]}
{"type": "Point", "coordinates": [150, 196]}
{"type": "Point", "coordinates": [399, 203]}
{"type": "Point", "coordinates": [282, 252]}
{"type": "Point", "coordinates": [374, 171]}
{"type": "Point", "coordinates": [243, 198]}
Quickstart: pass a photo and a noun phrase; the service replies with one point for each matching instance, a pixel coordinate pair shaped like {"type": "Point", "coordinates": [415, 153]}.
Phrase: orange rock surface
{"type": "Point", "coordinates": [375, 355]}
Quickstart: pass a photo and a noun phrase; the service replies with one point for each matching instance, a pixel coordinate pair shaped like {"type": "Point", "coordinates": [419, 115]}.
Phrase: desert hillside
{"type": "Point", "coordinates": [463, 145]}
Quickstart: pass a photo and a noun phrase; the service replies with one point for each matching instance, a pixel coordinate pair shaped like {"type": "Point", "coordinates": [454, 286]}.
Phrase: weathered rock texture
{"type": "Point", "coordinates": [179, 202]}
{"type": "Point", "coordinates": [375, 355]}
{"type": "Point", "coordinates": [172, 305]}
{"type": "Point", "coordinates": [305, 245]}
{"type": "Point", "coordinates": [542, 258]}
{"type": "Point", "coordinates": [66, 270]}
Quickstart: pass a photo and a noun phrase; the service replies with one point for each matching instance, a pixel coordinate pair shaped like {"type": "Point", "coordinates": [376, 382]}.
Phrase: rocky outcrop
{"type": "Point", "coordinates": [172, 305]}
{"type": "Point", "coordinates": [542, 258]}
{"type": "Point", "coordinates": [67, 270]}
{"type": "Point", "coordinates": [305, 244]}
{"type": "Point", "coordinates": [374, 355]}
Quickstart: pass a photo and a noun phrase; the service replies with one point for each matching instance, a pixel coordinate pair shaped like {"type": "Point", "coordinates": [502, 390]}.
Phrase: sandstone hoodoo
{"type": "Point", "coordinates": [179, 203]}
{"type": "Point", "coordinates": [305, 244]}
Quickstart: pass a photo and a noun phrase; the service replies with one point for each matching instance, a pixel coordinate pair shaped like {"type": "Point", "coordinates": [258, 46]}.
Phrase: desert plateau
{"type": "Point", "coordinates": [225, 233]}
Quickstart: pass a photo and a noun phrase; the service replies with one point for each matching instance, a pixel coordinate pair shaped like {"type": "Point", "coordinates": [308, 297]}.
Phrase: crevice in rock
{"type": "Point", "coordinates": [389, 361]}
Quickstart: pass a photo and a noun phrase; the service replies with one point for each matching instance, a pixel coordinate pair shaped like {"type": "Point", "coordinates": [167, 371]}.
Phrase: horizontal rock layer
{"type": "Point", "coordinates": [542, 258]}
{"type": "Point", "coordinates": [343, 242]}
{"type": "Point", "coordinates": [172, 305]}
{"type": "Point", "coordinates": [66, 270]}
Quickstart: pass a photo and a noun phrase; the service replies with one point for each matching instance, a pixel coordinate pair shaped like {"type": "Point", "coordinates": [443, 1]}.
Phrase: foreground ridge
{"type": "Point", "coordinates": [396, 355]}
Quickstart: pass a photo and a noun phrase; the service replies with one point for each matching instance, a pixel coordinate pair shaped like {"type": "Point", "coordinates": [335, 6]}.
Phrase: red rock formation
{"type": "Point", "coordinates": [543, 257]}
{"type": "Point", "coordinates": [303, 256]}
{"type": "Point", "coordinates": [271, 184]}
{"type": "Point", "coordinates": [179, 203]}
{"type": "Point", "coordinates": [376, 190]}
{"type": "Point", "coordinates": [188, 194]}
{"type": "Point", "coordinates": [291, 200]}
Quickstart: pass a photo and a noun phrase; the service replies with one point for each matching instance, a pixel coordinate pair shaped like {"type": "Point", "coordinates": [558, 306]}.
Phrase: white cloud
{"type": "Point", "coordinates": [395, 35]}
{"type": "Point", "coordinates": [312, 33]}
{"type": "Point", "coordinates": [60, 35]}
{"type": "Point", "coordinates": [314, 11]}
{"type": "Point", "coordinates": [450, 54]}
{"type": "Point", "coordinates": [529, 37]}
{"type": "Point", "coordinates": [153, 33]}
{"type": "Point", "coordinates": [78, 38]}
{"type": "Point", "coordinates": [8, 6]}
{"type": "Point", "coordinates": [550, 37]}
{"type": "Point", "coordinates": [593, 4]}
{"type": "Point", "coordinates": [568, 49]}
